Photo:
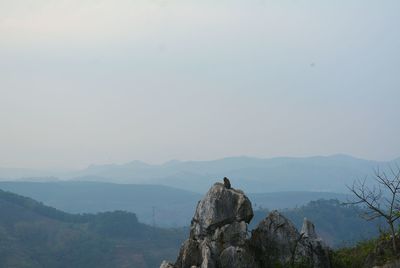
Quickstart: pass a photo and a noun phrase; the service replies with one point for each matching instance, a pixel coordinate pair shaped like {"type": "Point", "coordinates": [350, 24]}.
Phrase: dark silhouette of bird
{"type": "Point", "coordinates": [227, 183]}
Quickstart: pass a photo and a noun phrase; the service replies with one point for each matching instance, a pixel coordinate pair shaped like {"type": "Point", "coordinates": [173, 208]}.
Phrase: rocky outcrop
{"type": "Point", "coordinates": [277, 241]}
{"type": "Point", "coordinates": [220, 207]}
{"type": "Point", "coordinates": [219, 237]}
{"type": "Point", "coordinates": [308, 229]}
{"type": "Point", "coordinates": [218, 232]}
{"type": "Point", "coordinates": [315, 251]}
{"type": "Point", "coordinates": [166, 264]}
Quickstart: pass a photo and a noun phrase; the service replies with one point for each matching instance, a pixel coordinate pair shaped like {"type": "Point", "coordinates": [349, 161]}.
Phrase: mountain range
{"type": "Point", "coordinates": [257, 175]}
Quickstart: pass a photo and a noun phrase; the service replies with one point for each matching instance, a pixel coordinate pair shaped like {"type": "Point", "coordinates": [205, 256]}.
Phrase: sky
{"type": "Point", "coordinates": [105, 81]}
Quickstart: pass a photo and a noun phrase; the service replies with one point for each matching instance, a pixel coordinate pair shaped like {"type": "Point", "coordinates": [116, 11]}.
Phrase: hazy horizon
{"type": "Point", "coordinates": [101, 81]}
{"type": "Point", "coordinates": [66, 169]}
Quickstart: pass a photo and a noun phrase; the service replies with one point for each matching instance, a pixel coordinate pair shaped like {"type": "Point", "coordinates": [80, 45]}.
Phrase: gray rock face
{"type": "Point", "coordinates": [236, 257]}
{"type": "Point", "coordinates": [219, 237]}
{"type": "Point", "coordinates": [218, 233]}
{"type": "Point", "coordinates": [276, 240]}
{"type": "Point", "coordinates": [308, 229]}
{"type": "Point", "coordinates": [166, 264]}
{"type": "Point", "coordinates": [190, 254]}
{"type": "Point", "coordinates": [220, 206]}
{"type": "Point", "coordinates": [315, 249]}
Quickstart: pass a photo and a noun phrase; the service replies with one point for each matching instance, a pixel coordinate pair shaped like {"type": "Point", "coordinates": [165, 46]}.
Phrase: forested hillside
{"type": "Point", "coordinates": [34, 235]}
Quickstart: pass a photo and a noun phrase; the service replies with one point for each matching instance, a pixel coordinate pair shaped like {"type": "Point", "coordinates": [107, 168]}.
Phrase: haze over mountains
{"type": "Point", "coordinates": [318, 173]}
{"type": "Point", "coordinates": [166, 194]}
{"type": "Point", "coordinates": [35, 235]}
{"type": "Point", "coordinates": [153, 204]}
{"type": "Point", "coordinates": [170, 206]}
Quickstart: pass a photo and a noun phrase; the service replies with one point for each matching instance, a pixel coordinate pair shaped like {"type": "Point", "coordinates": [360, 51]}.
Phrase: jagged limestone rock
{"type": "Point", "coordinates": [219, 207]}
{"type": "Point", "coordinates": [314, 247]}
{"type": "Point", "coordinates": [236, 257]}
{"type": "Point", "coordinates": [219, 237]}
{"type": "Point", "coordinates": [166, 264]}
{"type": "Point", "coordinates": [316, 253]}
{"type": "Point", "coordinates": [308, 229]}
{"type": "Point", "coordinates": [190, 254]}
{"type": "Point", "coordinates": [231, 234]}
{"type": "Point", "coordinates": [219, 225]}
{"type": "Point", "coordinates": [276, 240]}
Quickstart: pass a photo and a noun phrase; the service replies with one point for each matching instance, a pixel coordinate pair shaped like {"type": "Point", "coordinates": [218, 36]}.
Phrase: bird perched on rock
{"type": "Point", "coordinates": [227, 183]}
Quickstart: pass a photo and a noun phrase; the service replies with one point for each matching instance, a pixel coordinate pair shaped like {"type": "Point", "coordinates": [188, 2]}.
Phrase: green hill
{"type": "Point", "coordinates": [173, 207]}
{"type": "Point", "coordinates": [35, 235]}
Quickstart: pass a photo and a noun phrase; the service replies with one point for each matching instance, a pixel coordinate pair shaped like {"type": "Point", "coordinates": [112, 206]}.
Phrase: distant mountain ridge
{"type": "Point", "coordinates": [165, 206]}
{"type": "Point", "coordinates": [317, 173]}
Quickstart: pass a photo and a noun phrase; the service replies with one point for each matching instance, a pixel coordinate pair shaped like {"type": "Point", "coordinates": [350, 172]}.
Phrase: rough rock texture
{"type": "Point", "coordinates": [219, 237]}
{"type": "Point", "coordinates": [308, 229]}
{"type": "Point", "coordinates": [166, 264]}
{"type": "Point", "coordinates": [218, 231]}
{"type": "Point", "coordinates": [277, 241]}
{"type": "Point", "coordinates": [274, 240]}
{"type": "Point", "coordinates": [220, 207]}
{"type": "Point", "coordinates": [315, 250]}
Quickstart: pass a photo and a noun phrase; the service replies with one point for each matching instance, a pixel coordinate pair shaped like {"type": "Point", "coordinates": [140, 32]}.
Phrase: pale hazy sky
{"type": "Point", "coordinates": [103, 81]}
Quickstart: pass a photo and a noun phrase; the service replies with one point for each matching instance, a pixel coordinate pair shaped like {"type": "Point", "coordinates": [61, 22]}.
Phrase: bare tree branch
{"type": "Point", "coordinates": [382, 200]}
